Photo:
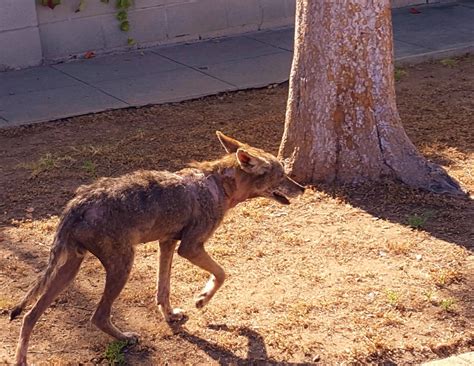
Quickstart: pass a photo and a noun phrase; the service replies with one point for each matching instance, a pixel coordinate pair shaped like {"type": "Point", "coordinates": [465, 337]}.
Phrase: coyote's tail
{"type": "Point", "coordinates": [57, 257]}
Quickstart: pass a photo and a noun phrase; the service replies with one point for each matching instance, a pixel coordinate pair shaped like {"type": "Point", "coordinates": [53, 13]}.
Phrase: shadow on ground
{"type": "Point", "coordinates": [256, 353]}
{"type": "Point", "coordinates": [445, 217]}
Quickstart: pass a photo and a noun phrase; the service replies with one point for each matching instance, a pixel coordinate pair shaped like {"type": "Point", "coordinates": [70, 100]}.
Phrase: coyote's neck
{"type": "Point", "coordinates": [231, 182]}
{"type": "Point", "coordinates": [226, 171]}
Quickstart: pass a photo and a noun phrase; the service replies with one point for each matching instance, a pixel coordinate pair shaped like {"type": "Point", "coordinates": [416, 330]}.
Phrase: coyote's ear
{"type": "Point", "coordinates": [251, 163]}
{"type": "Point", "coordinates": [230, 145]}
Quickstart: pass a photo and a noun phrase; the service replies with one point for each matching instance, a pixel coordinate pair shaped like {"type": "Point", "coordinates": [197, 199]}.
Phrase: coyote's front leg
{"type": "Point", "coordinates": [163, 285]}
{"type": "Point", "coordinates": [195, 253]}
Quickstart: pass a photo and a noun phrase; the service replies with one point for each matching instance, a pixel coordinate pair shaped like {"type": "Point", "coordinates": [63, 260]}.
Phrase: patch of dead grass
{"type": "Point", "coordinates": [338, 276]}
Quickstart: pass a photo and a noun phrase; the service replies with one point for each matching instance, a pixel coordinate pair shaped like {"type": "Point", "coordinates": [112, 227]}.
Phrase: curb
{"type": "Point", "coordinates": [434, 55]}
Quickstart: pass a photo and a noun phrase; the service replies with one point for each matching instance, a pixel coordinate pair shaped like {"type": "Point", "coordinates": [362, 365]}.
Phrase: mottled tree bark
{"type": "Point", "coordinates": [342, 123]}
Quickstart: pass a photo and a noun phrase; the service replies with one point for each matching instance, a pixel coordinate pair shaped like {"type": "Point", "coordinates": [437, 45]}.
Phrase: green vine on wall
{"type": "Point", "coordinates": [121, 6]}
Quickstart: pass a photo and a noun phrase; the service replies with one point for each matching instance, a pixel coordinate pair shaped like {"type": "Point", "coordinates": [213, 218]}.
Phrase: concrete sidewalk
{"type": "Point", "coordinates": [187, 71]}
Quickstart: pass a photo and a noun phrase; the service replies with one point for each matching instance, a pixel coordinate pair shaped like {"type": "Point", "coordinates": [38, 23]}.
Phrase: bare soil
{"type": "Point", "coordinates": [338, 277]}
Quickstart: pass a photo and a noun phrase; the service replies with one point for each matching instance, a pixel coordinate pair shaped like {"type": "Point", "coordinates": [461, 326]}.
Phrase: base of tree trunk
{"type": "Point", "coordinates": [342, 123]}
{"type": "Point", "coordinates": [429, 176]}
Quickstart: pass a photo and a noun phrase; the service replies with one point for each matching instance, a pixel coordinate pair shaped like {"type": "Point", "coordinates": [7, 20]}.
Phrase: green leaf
{"type": "Point", "coordinates": [131, 41]}
{"type": "Point", "coordinates": [104, 1]}
{"type": "Point", "coordinates": [123, 4]}
{"type": "Point", "coordinates": [114, 352]}
{"type": "Point", "coordinates": [125, 26]}
{"type": "Point", "coordinates": [122, 15]}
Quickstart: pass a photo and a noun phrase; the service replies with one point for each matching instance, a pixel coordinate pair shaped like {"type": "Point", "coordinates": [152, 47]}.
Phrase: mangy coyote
{"type": "Point", "coordinates": [109, 217]}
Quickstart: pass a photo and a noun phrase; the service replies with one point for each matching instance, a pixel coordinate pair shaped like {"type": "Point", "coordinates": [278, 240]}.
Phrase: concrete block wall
{"type": "Point", "coordinates": [31, 34]}
{"type": "Point", "coordinates": [65, 32]}
{"type": "Point", "coordinates": [19, 35]}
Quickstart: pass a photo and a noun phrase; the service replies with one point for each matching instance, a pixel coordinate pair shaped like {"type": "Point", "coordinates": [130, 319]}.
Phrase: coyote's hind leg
{"type": "Point", "coordinates": [118, 265]}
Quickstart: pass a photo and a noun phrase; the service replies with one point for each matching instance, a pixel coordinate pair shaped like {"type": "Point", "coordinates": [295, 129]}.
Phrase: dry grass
{"type": "Point", "coordinates": [376, 274]}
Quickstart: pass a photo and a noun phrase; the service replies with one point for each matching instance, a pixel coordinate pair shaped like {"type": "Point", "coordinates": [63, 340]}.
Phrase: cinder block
{"type": "Point", "coordinates": [16, 14]}
{"type": "Point", "coordinates": [243, 12]}
{"type": "Point", "coordinates": [196, 18]}
{"type": "Point", "coordinates": [67, 10]}
{"type": "Point", "coordinates": [15, 57]}
{"type": "Point", "coordinates": [273, 9]}
{"type": "Point", "coordinates": [290, 8]}
{"type": "Point", "coordinates": [70, 37]}
{"type": "Point", "coordinates": [113, 36]}
{"type": "Point", "coordinates": [146, 26]}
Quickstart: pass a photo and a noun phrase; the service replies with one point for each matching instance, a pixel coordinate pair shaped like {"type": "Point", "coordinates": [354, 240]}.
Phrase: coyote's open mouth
{"type": "Point", "coordinates": [280, 198]}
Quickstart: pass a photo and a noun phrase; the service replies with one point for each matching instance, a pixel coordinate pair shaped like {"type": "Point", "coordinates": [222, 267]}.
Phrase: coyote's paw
{"type": "Point", "coordinates": [202, 300]}
{"type": "Point", "coordinates": [174, 315]}
{"type": "Point", "coordinates": [130, 337]}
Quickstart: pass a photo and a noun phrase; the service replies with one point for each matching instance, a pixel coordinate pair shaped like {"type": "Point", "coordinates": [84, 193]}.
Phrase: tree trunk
{"type": "Point", "coordinates": [342, 123]}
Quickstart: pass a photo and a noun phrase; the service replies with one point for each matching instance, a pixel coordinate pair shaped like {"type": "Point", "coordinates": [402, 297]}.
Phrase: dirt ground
{"type": "Point", "coordinates": [375, 274]}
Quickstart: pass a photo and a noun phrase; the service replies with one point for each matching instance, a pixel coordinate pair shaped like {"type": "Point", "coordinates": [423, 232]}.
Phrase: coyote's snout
{"type": "Point", "coordinates": [109, 217]}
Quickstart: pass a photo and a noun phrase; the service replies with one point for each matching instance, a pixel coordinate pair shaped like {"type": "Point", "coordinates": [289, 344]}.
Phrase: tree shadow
{"type": "Point", "coordinates": [256, 353]}
{"type": "Point", "coordinates": [448, 218]}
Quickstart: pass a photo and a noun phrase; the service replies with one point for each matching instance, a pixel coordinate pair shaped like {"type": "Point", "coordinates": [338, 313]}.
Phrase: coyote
{"type": "Point", "coordinates": [109, 217]}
